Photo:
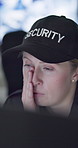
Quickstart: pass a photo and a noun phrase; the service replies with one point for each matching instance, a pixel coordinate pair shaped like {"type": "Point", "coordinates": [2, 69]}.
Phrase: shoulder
{"type": "Point", "coordinates": [74, 111]}
{"type": "Point", "coordinates": [13, 101]}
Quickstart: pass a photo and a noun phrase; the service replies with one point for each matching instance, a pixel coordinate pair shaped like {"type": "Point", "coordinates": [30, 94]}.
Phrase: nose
{"type": "Point", "coordinates": [37, 77]}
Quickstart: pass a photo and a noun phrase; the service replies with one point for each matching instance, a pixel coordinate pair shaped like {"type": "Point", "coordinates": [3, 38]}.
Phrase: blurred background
{"type": "Point", "coordinates": [16, 15]}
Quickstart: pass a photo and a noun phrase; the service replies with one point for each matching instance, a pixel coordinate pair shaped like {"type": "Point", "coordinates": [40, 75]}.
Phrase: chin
{"type": "Point", "coordinates": [40, 102]}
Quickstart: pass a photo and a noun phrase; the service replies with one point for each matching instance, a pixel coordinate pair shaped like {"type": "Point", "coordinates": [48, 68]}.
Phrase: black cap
{"type": "Point", "coordinates": [52, 39]}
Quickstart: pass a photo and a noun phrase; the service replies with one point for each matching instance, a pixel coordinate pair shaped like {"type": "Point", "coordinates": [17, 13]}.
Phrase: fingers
{"type": "Point", "coordinates": [30, 76]}
{"type": "Point", "coordinates": [30, 86]}
{"type": "Point", "coordinates": [27, 94]}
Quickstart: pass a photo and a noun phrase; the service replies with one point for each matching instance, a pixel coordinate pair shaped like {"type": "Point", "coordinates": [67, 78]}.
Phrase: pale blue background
{"type": "Point", "coordinates": [21, 14]}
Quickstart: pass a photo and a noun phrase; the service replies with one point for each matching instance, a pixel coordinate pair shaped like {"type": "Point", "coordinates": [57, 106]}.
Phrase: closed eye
{"type": "Point", "coordinates": [27, 65]}
{"type": "Point", "coordinates": [48, 69]}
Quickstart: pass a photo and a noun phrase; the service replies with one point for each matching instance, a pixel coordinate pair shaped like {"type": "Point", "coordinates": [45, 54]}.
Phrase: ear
{"type": "Point", "coordinates": [75, 76]}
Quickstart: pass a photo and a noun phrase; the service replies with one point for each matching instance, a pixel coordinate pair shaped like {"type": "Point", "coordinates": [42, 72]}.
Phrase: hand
{"type": "Point", "coordinates": [27, 94]}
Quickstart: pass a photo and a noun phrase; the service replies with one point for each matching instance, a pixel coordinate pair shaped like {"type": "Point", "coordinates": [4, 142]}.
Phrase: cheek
{"type": "Point", "coordinates": [57, 82]}
{"type": "Point", "coordinates": [64, 81]}
{"type": "Point", "coordinates": [61, 80]}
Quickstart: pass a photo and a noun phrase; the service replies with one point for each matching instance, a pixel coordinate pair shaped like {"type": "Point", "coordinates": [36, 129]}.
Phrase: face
{"type": "Point", "coordinates": [52, 83]}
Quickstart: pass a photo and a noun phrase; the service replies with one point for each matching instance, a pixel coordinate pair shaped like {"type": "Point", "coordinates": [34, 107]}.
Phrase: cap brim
{"type": "Point", "coordinates": [40, 51]}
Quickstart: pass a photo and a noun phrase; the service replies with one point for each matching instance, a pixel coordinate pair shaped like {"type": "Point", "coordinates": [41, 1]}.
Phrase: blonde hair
{"type": "Point", "coordinates": [74, 63]}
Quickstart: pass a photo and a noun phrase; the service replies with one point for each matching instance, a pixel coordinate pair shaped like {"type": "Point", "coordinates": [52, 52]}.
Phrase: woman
{"type": "Point", "coordinates": [50, 66]}
{"type": "Point", "coordinates": [49, 85]}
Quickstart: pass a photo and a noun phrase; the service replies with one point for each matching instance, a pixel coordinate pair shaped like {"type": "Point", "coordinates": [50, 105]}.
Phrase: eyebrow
{"type": "Point", "coordinates": [26, 58]}
{"type": "Point", "coordinates": [31, 60]}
